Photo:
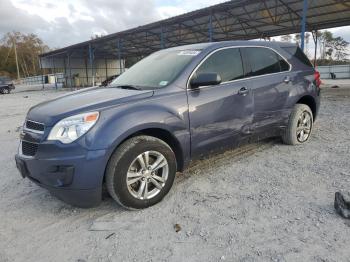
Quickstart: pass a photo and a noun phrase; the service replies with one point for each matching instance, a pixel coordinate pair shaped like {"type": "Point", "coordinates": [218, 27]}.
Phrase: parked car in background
{"type": "Point", "coordinates": [6, 85]}
{"type": "Point", "coordinates": [174, 106]}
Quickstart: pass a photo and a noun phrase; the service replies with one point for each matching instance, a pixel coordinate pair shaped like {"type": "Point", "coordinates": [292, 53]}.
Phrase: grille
{"type": "Point", "coordinates": [29, 149]}
{"type": "Point", "coordinates": [35, 126]}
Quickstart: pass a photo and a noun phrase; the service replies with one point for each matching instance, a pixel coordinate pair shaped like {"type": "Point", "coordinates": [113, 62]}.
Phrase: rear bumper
{"type": "Point", "coordinates": [76, 180]}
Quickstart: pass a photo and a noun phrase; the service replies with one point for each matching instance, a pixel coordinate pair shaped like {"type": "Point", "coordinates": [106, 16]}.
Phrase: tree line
{"type": "Point", "coordinates": [23, 50]}
{"type": "Point", "coordinates": [331, 50]}
{"type": "Point", "coordinates": [19, 53]}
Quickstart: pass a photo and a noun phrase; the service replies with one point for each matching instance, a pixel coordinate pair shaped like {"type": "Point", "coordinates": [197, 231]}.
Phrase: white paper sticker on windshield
{"type": "Point", "coordinates": [163, 83]}
{"type": "Point", "coordinates": [189, 52]}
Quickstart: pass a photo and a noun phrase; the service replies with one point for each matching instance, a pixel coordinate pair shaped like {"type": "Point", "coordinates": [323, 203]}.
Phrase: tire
{"type": "Point", "coordinates": [300, 125]}
{"type": "Point", "coordinates": [125, 165]}
{"type": "Point", "coordinates": [6, 91]}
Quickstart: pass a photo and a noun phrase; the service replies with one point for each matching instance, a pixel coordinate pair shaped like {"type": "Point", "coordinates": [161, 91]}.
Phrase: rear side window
{"type": "Point", "coordinates": [226, 62]}
{"type": "Point", "coordinates": [283, 64]}
{"type": "Point", "coordinates": [264, 61]}
{"type": "Point", "coordinates": [298, 53]}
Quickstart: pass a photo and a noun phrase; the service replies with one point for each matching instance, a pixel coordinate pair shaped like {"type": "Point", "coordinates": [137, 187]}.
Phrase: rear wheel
{"type": "Point", "coordinates": [141, 172]}
{"type": "Point", "coordinates": [299, 126]}
{"type": "Point", "coordinates": [6, 90]}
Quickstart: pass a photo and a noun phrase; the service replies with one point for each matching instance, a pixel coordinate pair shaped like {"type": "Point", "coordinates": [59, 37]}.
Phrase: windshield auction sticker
{"type": "Point", "coordinates": [163, 83]}
{"type": "Point", "coordinates": [189, 52]}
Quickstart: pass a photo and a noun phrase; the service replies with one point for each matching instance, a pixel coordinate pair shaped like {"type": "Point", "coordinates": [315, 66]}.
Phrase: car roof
{"type": "Point", "coordinates": [215, 45]}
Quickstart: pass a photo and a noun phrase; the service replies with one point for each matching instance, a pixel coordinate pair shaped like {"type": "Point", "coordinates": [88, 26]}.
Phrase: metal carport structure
{"type": "Point", "coordinates": [232, 20]}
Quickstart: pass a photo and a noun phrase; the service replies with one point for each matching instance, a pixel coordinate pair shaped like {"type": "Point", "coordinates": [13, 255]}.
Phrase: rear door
{"type": "Point", "coordinates": [220, 115]}
{"type": "Point", "coordinates": [271, 84]}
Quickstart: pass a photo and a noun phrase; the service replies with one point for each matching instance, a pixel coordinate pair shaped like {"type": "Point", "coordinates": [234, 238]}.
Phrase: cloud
{"type": "Point", "coordinates": [344, 32]}
{"type": "Point", "coordinates": [16, 19]}
{"type": "Point", "coordinates": [50, 5]}
{"type": "Point", "coordinates": [65, 22]}
{"type": "Point", "coordinates": [168, 11]}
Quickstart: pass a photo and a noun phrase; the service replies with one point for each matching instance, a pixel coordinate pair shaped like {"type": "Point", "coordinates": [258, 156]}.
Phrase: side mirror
{"type": "Point", "coordinates": [205, 79]}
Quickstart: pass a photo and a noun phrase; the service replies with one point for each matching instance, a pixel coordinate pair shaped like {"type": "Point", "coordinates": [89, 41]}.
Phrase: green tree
{"type": "Point", "coordinates": [332, 47]}
{"type": "Point", "coordinates": [28, 47]}
{"type": "Point", "coordinates": [340, 47]}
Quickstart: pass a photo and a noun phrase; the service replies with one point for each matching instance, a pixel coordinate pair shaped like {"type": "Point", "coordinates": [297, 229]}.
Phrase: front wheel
{"type": "Point", "coordinates": [300, 125]}
{"type": "Point", "coordinates": [141, 172]}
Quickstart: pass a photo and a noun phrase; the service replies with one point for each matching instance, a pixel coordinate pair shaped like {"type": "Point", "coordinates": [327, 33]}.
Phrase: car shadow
{"type": "Point", "coordinates": [227, 157]}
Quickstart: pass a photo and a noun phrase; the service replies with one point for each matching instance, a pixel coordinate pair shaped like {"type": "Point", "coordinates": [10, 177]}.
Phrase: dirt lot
{"type": "Point", "coordinates": [261, 202]}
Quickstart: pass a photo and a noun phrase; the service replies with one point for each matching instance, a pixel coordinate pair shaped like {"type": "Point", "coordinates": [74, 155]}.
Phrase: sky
{"type": "Point", "coordinates": [64, 22]}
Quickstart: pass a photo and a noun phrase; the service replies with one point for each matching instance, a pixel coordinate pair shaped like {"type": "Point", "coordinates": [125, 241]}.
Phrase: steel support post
{"type": "Point", "coordinates": [64, 71]}
{"type": "Point", "coordinates": [91, 61]}
{"type": "Point", "coordinates": [70, 71]}
{"type": "Point", "coordinates": [54, 71]}
{"type": "Point", "coordinates": [86, 72]}
{"type": "Point", "coordinates": [303, 24]}
{"type": "Point", "coordinates": [120, 47]}
{"type": "Point", "coordinates": [106, 65]}
{"type": "Point", "coordinates": [316, 40]}
{"type": "Point", "coordinates": [210, 27]}
{"type": "Point", "coordinates": [42, 73]}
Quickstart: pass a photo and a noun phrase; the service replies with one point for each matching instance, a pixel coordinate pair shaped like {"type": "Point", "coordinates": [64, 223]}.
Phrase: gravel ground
{"type": "Point", "coordinates": [261, 202]}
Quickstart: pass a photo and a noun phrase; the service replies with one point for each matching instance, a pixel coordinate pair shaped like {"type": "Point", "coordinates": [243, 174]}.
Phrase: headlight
{"type": "Point", "coordinates": [71, 128]}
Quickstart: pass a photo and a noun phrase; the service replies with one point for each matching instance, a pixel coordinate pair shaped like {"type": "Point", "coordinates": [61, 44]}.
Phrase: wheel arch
{"type": "Point", "coordinates": [310, 102]}
{"type": "Point", "coordinates": [163, 135]}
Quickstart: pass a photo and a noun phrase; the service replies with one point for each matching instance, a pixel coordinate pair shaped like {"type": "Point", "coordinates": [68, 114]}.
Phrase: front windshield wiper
{"type": "Point", "coordinates": [130, 87]}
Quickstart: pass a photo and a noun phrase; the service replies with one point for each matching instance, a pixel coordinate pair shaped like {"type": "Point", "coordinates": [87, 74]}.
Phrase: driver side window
{"type": "Point", "coordinates": [226, 62]}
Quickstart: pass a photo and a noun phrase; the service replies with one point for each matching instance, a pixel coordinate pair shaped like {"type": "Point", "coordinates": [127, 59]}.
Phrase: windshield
{"type": "Point", "coordinates": [157, 70]}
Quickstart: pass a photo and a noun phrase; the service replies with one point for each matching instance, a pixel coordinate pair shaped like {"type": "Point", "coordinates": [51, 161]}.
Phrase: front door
{"type": "Point", "coordinates": [220, 115]}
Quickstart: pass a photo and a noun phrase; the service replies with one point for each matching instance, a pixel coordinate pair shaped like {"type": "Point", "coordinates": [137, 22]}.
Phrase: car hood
{"type": "Point", "coordinates": [89, 99]}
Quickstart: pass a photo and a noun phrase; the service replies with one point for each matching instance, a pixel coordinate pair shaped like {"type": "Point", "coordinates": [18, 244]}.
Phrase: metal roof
{"type": "Point", "coordinates": [232, 20]}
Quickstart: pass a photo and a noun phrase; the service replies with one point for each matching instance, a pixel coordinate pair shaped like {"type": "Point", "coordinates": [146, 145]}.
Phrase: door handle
{"type": "Point", "coordinates": [243, 91]}
{"type": "Point", "coordinates": [286, 79]}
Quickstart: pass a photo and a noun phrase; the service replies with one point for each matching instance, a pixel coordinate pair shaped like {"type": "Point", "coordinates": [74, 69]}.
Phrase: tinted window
{"type": "Point", "coordinates": [283, 64]}
{"type": "Point", "coordinates": [226, 62]}
{"type": "Point", "coordinates": [298, 53]}
{"type": "Point", "coordinates": [262, 61]}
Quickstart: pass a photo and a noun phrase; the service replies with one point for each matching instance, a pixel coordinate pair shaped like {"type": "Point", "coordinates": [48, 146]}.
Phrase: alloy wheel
{"type": "Point", "coordinates": [304, 126]}
{"type": "Point", "coordinates": [147, 175]}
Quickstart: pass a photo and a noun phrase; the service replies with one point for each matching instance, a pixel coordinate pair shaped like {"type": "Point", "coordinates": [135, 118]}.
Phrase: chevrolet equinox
{"type": "Point", "coordinates": [173, 106]}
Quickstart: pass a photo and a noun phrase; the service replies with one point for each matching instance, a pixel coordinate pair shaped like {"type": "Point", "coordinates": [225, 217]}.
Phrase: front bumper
{"type": "Point", "coordinates": [73, 175]}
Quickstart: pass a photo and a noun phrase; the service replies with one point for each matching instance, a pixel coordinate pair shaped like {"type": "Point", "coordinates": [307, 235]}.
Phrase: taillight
{"type": "Point", "coordinates": [317, 78]}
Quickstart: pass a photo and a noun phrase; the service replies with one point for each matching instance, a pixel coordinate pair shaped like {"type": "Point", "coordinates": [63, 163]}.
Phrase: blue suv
{"type": "Point", "coordinates": [174, 106]}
